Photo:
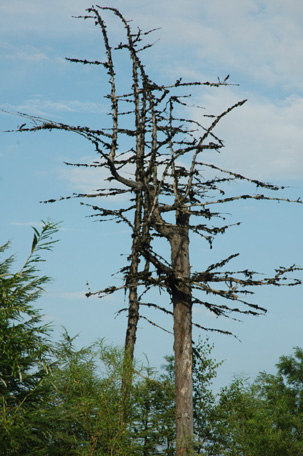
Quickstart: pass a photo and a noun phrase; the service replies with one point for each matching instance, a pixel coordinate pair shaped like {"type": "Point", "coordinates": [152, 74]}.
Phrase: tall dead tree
{"type": "Point", "coordinates": [154, 157]}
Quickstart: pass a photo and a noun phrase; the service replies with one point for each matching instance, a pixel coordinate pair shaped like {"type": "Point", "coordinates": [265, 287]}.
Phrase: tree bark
{"type": "Point", "coordinates": [182, 304]}
{"type": "Point", "coordinates": [133, 313]}
{"type": "Point", "coordinates": [133, 310]}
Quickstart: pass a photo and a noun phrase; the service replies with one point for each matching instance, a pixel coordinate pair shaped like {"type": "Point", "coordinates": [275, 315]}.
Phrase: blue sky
{"type": "Point", "coordinates": [260, 44]}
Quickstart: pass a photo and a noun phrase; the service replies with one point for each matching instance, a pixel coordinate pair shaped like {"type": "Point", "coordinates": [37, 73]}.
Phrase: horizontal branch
{"type": "Point", "coordinates": [243, 197]}
{"type": "Point", "coordinates": [155, 324]}
{"type": "Point", "coordinates": [149, 304]}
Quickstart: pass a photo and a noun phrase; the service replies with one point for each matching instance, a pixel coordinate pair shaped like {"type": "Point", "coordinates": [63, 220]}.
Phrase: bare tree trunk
{"type": "Point", "coordinates": [182, 303]}
{"type": "Point", "coordinates": [133, 317]}
{"type": "Point", "coordinates": [133, 310]}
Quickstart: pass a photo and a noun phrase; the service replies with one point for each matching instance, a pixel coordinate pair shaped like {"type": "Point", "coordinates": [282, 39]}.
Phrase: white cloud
{"type": "Point", "coordinates": [42, 106]}
{"type": "Point", "coordinates": [88, 180]}
{"type": "Point", "coordinates": [261, 40]}
{"type": "Point", "coordinates": [74, 295]}
{"type": "Point", "coordinates": [84, 179]}
{"type": "Point", "coordinates": [39, 224]}
{"type": "Point", "coordinates": [200, 310]}
{"type": "Point", "coordinates": [26, 52]}
{"type": "Point", "coordinates": [35, 224]}
{"type": "Point", "coordinates": [80, 295]}
{"type": "Point", "coordinates": [46, 18]}
{"type": "Point", "coordinates": [263, 138]}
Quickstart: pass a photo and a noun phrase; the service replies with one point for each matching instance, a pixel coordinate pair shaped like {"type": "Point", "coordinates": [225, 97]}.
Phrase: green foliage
{"type": "Point", "coordinates": [235, 422]}
{"type": "Point", "coordinates": [25, 350]}
{"type": "Point", "coordinates": [86, 409]}
{"type": "Point", "coordinates": [153, 423]}
{"type": "Point", "coordinates": [204, 372]}
{"type": "Point", "coordinates": [283, 395]}
{"type": "Point", "coordinates": [265, 417]}
{"type": "Point", "coordinates": [58, 400]}
{"type": "Point", "coordinates": [155, 404]}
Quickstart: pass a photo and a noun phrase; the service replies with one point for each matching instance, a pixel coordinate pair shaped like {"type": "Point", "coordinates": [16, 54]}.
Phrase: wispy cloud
{"type": "Point", "coordinates": [263, 138]}
{"type": "Point", "coordinates": [33, 17]}
{"type": "Point", "coordinates": [80, 295]}
{"type": "Point", "coordinates": [74, 295]}
{"type": "Point", "coordinates": [26, 52]}
{"type": "Point", "coordinates": [259, 42]}
{"type": "Point", "coordinates": [89, 180]}
{"type": "Point", "coordinates": [200, 311]}
{"type": "Point", "coordinates": [35, 224]}
{"type": "Point", "coordinates": [43, 106]}
{"type": "Point", "coordinates": [262, 41]}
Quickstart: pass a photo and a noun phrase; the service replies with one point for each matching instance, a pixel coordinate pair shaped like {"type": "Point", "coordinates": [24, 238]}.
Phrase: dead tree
{"type": "Point", "coordinates": [170, 192]}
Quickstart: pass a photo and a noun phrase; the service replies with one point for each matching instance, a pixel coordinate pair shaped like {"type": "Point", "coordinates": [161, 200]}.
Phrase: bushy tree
{"type": "Point", "coordinates": [265, 417]}
{"type": "Point", "coordinates": [86, 407]}
{"type": "Point", "coordinates": [283, 396]}
{"type": "Point", "coordinates": [155, 403]}
{"type": "Point", "coordinates": [25, 351]}
{"type": "Point", "coordinates": [154, 411]}
{"type": "Point", "coordinates": [204, 372]}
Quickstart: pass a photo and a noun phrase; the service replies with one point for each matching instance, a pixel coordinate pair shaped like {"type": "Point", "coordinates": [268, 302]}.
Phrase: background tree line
{"type": "Point", "coordinates": [56, 399]}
